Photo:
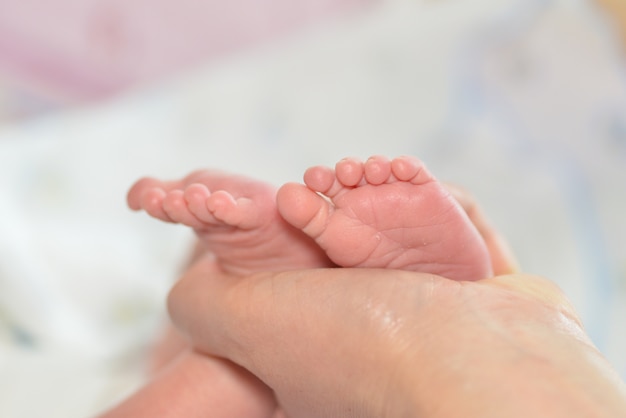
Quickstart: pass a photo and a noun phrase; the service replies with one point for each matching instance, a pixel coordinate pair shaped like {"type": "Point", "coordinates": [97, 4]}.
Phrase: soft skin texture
{"type": "Point", "coordinates": [386, 343]}
{"type": "Point", "coordinates": [235, 218]}
{"type": "Point", "coordinates": [385, 213]}
{"type": "Point", "coordinates": [238, 225]}
{"type": "Point", "coordinates": [195, 386]}
{"type": "Point", "coordinates": [379, 213]}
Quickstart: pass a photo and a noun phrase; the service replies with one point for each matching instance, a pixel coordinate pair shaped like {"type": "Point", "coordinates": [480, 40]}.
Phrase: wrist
{"type": "Point", "coordinates": [508, 364]}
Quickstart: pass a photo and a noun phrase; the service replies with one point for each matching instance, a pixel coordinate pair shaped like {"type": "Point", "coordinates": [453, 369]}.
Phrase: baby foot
{"type": "Point", "coordinates": [234, 216]}
{"type": "Point", "coordinates": [386, 214]}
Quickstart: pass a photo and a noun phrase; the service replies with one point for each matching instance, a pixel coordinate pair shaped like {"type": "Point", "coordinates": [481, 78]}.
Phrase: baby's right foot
{"type": "Point", "coordinates": [235, 218]}
{"type": "Point", "coordinates": [386, 214]}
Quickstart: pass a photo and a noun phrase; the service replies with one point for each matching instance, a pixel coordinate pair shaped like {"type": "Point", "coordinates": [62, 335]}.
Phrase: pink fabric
{"type": "Point", "coordinates": [90, 48]}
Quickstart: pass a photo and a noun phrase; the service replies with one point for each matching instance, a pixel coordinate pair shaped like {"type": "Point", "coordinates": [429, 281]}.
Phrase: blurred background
{"type": "Point", "coordinates": [523, 102]}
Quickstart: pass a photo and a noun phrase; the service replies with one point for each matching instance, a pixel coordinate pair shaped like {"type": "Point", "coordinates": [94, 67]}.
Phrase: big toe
{"type": "Point", "coordinates": [303, 208]}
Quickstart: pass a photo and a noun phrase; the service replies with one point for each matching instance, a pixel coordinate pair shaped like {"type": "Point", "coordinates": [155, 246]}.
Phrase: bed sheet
{"type": "Point", "coordinates": [521, 102]}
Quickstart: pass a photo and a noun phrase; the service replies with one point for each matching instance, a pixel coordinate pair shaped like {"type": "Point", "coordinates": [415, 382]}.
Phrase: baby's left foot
{"type": "Point", "coordinates": [235, 218]}
{"type": "Point", "coordinates": [386, 214]}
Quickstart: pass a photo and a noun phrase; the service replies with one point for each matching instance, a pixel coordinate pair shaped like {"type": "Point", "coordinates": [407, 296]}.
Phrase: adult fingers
{"type": "Point", "coordinates": [306, 334]}
{"type": "Point", "coordinates": [196, 386]}
{"type": "Point", "coordinates": [320, 337]}
{"type": "Point", "coordinates": [502, 258]}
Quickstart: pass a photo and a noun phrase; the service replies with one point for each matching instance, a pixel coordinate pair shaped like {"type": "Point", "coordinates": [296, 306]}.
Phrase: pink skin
{"type": "Point", "coordinates": [380, 214]}
{"type": "Point", "coordinates": [386, 214]}
{"type": "Point", "coordinates": [235, 218]}
{"type": "Point", "coordinates": [383, 214]}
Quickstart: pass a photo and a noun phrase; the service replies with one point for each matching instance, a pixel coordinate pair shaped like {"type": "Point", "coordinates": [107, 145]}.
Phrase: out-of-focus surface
{"type": "Point", "coordinates": [63, 52]}
{"type": "Point", "coordinates": [523, 102]}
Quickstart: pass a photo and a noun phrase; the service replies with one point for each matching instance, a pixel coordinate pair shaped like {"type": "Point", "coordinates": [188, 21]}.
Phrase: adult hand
{"type": "Point", "coordinates": [376, 343]}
